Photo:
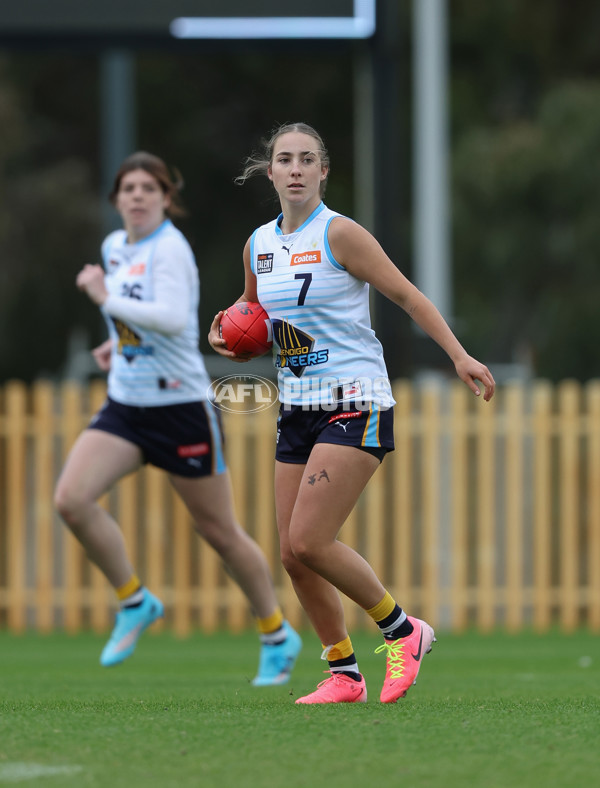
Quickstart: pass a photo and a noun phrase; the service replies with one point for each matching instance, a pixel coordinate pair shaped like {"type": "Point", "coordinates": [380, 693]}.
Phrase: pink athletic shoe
{"type": "Point", "coordinates": [338, 688]}
{"type": "Point", "coordinates": [404, 660]}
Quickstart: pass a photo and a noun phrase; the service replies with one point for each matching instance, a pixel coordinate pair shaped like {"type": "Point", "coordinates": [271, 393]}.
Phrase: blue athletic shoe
{"type": "Point", "coordinates": [277, 660]}
{"type": "Point", "coordinates": [131, 622]}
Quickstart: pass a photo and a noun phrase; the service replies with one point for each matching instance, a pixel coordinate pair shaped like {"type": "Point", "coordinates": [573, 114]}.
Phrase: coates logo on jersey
{"type": "Point", "coordinates": [295, 348]}
{"type": "Point", "coordinates": [306, 257]}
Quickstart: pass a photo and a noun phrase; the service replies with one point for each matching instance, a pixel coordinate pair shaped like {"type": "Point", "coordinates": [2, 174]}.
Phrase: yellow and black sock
{"type": "Point", "coordinates": [390, 618]}
{"type": "Point", "coordinates": [341, 658]}
{"type": "Point", "coordinates": [271, 629]}
{"type": "Point", "coordinates": [131, 593]}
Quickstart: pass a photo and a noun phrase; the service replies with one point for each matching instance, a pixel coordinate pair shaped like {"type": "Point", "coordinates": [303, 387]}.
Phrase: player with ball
{"type": "Point", "coordinates": [310, 269]}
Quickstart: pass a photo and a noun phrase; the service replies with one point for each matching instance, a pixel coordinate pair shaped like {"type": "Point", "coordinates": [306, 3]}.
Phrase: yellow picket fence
{"type": "Point", "coordinates": [486, 515]}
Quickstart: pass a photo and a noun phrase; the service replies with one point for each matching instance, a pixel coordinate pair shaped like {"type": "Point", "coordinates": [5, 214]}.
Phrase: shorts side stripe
{"type": "Point", "coordinates": [218, 457]}
{"type": "Point", "coordinates": [371, 433]}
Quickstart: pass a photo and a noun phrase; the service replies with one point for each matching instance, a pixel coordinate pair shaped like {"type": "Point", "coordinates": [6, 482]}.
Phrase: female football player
{"type": "Point", "coordinates": [311, 268]}
{"type": "Point", "coordinates": [157, 412]}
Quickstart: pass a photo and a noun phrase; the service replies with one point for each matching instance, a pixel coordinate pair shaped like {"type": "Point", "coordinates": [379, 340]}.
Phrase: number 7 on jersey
{"type": "Point", "coordinates": [304, 289]}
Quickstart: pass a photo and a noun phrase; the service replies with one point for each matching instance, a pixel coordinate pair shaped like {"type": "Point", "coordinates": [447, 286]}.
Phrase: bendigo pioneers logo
{"type": "Point", "coordinates": [130, 343]}
{"type": "Point", "coordinates": [295, 348]}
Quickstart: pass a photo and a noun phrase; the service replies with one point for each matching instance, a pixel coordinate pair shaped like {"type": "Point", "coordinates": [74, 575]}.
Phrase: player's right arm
{"type": "Point", "coordinates": [167, 312]}
{"type": "Point", "coordinates": [250, 290]}
{"type": "Point", "coordinates": [249, 294]}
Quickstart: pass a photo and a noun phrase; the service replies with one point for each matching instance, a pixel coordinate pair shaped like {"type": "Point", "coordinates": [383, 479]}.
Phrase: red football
{"type": "Point", "coordinates": [246, 329]}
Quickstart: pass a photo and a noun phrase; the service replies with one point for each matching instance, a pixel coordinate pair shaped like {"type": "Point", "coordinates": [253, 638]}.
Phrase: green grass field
{"type": "Point", "coordinates": [492, 711]}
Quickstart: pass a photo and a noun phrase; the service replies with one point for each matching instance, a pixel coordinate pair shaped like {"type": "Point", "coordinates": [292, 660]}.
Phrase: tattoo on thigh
{"type": "Point", "coordinates": [317, 477]}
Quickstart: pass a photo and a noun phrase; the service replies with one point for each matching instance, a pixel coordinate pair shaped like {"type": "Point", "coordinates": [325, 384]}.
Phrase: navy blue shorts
{"type": "Point", "coordinates": [185, 439]}
{"type": "Point", "coordinates": [298, 430]}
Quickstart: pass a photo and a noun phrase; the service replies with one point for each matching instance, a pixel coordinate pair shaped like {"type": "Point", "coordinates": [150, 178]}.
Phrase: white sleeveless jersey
{"type": "Point", "coordinates": [325, 349]}
{"type": "Point", "coordinates": [155, 356]}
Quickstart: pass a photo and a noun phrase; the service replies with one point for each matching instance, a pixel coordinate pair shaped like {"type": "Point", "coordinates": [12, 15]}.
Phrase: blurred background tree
{"type": "Point", "coordinates": [526, 136]}
{"type": "Point", "coordinates": [49, 219]}
{"type": "Point", "coordinates": [526, 209]}
{"type": "Point", "coordinates": [525, 131]}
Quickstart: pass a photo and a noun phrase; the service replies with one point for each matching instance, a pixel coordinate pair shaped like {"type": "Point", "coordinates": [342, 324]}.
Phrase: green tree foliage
{"type": "Point", "coordinates": [526, 132]}
{"type": "Point", "coordinates": [527, 235]}
{"type": "Point", "coordinates": [48, 216]}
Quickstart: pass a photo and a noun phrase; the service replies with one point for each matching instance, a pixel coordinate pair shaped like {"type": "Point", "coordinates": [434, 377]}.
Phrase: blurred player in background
{"type": "Point", "coordinates": [310, 269]}
{"type": "Point", "coordinates": [157, 412]}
